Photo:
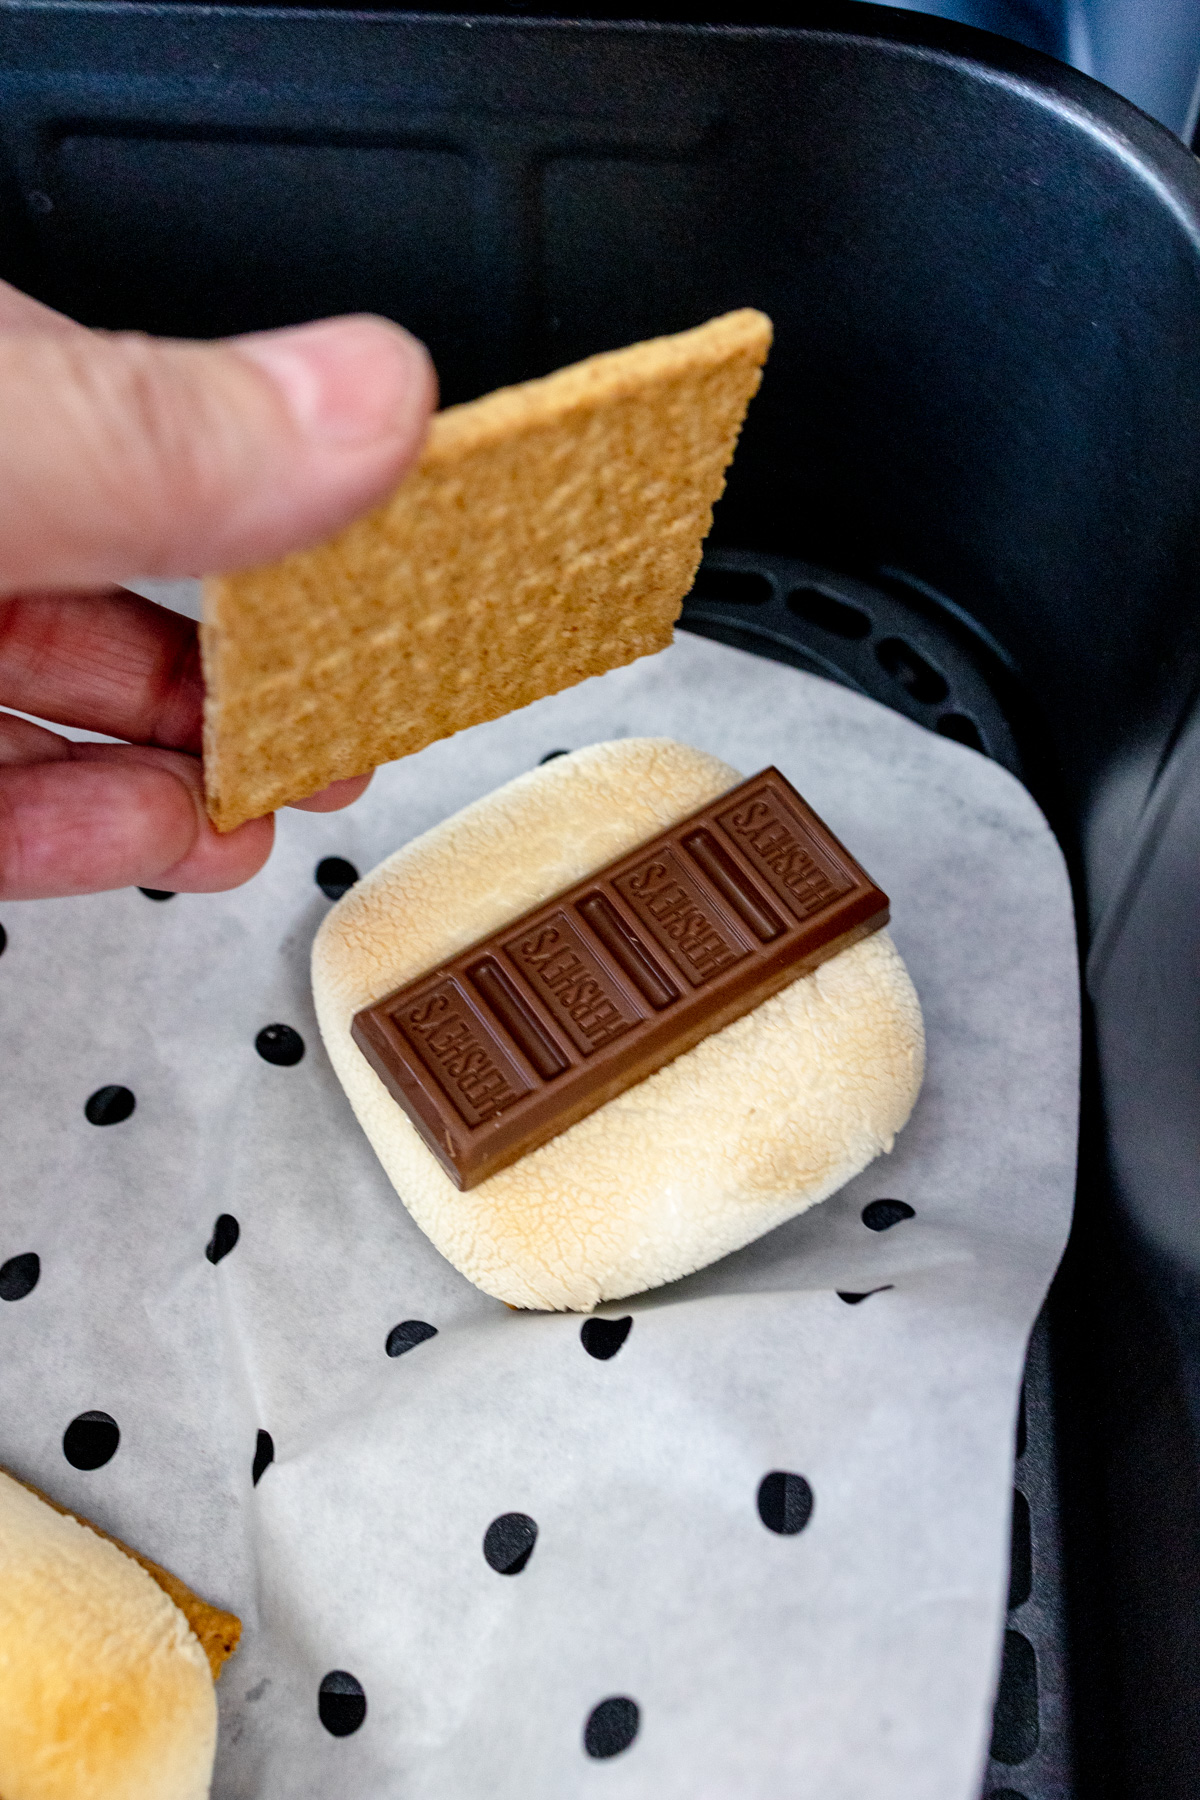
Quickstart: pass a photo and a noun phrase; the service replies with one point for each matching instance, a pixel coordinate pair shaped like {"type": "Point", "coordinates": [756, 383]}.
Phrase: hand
{"type": "Point", "coordinates": [122, 455]}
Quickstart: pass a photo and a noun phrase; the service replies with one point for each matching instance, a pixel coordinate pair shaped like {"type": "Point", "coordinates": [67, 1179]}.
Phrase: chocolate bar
{"type": "Point", "coordinates": [506, 1044]}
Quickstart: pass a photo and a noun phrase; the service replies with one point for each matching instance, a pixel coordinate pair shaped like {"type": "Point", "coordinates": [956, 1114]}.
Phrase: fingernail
{"type": "Point", "coordinates": [346, 381]}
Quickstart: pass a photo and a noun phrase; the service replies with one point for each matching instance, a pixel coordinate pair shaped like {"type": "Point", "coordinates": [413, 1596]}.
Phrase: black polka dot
{"type": "Point", "coordinates": [550, 756]}
{"type": "Point", "coordinates": [785, 1502]}
{"type": "Point", "coordinates": [612, 1726]}
{"type": "Point", "coordinates": [19, 1275]}
{"type": "Point", "coordinates": [225, 1235]}
{"type": "Point", "coordinates": [279, 1044]}
{"type": "Point", "coordinates": [602, 1338]}
{"type": "Point", "coordinates": [881, 1215]}
{"type": "Point", "coordinates": [857, 1299]}
{"type": "Point", "coordinates": [91, 1440]}
{"type": "Point", "coordinates": [341, 1703]}
{"type": "Point", "coordinates": [109, 1106]}
{"type": "Point", "coordinates": [157, 893]}
{"type": "Point", "coordinates": [264, 1456]}
{"type": "Point", "coordinates": [335, 876]}
{"type": "Point", "coordinates": [3, 940]}
{"type": "Point", "coordinates": [508, 1542]}
{"type": "Point", "coordinates": [408, 1335]}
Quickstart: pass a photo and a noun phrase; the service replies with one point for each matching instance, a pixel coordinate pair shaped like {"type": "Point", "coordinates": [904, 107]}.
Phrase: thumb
{"type": "Point", "coordinates": [124, 454]}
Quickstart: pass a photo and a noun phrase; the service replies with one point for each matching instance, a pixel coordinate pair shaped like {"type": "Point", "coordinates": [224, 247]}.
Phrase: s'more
{"type": "Point", "coordinates": [107, 1661]}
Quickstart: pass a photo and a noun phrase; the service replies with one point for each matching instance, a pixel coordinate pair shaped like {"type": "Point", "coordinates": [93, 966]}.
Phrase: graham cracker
{"type": "Point", "coordinates": [548, 532]}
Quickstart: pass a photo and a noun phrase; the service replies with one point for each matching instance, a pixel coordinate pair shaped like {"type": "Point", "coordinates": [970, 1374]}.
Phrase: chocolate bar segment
{"type": "Point", "coordinates": [725, 875]}
{"type": "Point", "coordinates": [570, 977]}
{"type": "Point", "coordinates": [685, 915]}
{"type": "Point", "coordinates": [624, 949]}
{"type": "Point", "coordinates": [510, 1042]}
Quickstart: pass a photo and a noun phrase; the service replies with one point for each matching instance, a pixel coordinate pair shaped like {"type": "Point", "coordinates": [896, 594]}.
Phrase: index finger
{"type": "Point", "coordinates": [110, 662]}
{"type": "Point", "coordinates": [20, 312]}
{"type": "Point", "coordinates": [117, 663]}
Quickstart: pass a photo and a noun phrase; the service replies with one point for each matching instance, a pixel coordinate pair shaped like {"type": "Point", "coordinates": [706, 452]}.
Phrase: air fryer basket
{"type": "Point", "coordinates": [970, 487]}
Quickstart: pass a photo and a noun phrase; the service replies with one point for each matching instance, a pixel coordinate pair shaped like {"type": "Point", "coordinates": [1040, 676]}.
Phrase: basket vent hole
{"type": "Point", "coordinates": [1015, 1727]}
{"type": "Point", "coordinates": [962, 729]}
{"type": "Point", "coordinates": [1020, 1580]}
{"type": "Point", "coordinates": [909, 670]}
{"type": "Point", "coordinates": [836, 616]}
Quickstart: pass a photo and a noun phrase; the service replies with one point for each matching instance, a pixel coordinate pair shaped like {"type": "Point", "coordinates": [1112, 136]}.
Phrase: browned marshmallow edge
{"type": "Point", "coordinates": [219, 1632]}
